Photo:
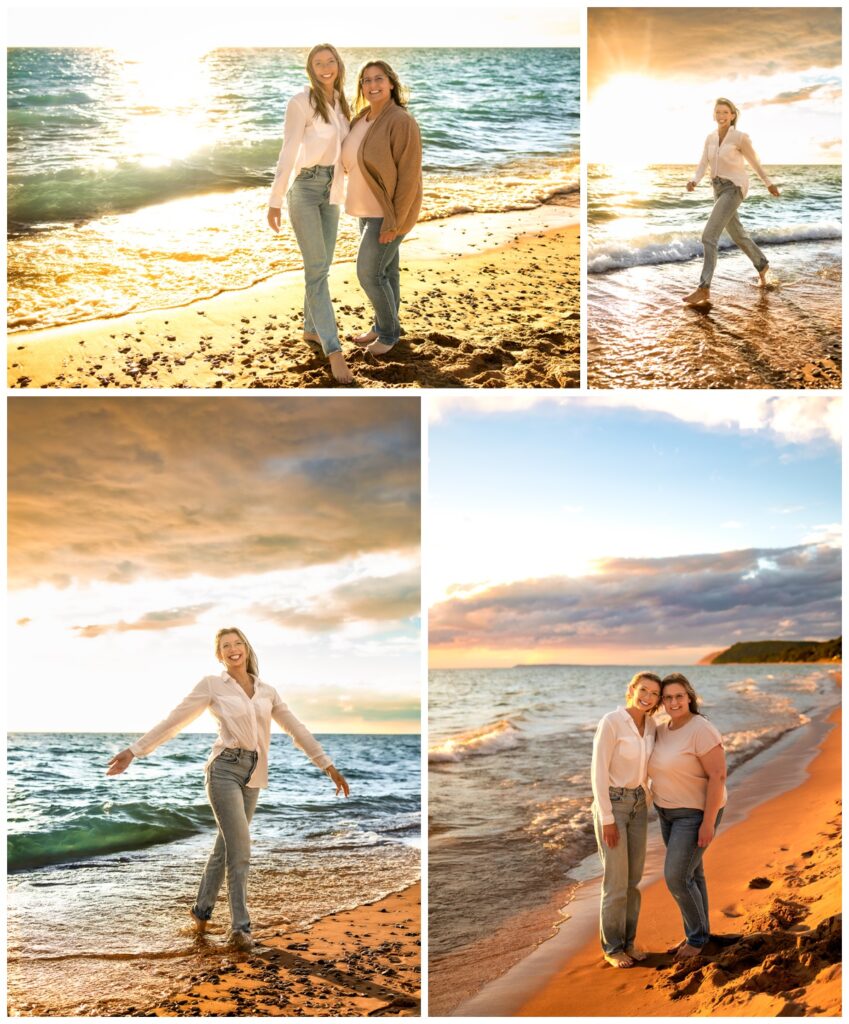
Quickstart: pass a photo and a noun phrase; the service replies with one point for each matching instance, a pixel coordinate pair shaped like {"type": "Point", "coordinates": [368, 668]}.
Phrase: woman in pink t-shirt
{"type": "Point", "coordinates": [687, 772]}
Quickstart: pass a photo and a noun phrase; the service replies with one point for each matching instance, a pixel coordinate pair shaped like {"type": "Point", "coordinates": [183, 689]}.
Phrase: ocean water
{"type": "Point", "coordinates": [648, 218]}
{"type": "Point", "coordinates": [103, 871]}
{"type": "Point", "coordinates": [134, 185]}
{"type": "Point", "coordinates": [644, 256]}
{"type": "Point", "coordinates": [509, 774]}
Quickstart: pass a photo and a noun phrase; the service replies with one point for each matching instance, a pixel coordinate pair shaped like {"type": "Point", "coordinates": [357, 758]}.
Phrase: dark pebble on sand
{"type": "Point", "coordinates": [760, 883]}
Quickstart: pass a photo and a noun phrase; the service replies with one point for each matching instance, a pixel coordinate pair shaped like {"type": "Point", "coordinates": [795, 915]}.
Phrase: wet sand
{"type": "Point", "coordinates": [640, 334]}
{"type": "Point", "coordinates": [359, 963]}
{"type": "Point", "coordinates": [775, 888]}
{"type": "Point", "coordinates": [506, 314]}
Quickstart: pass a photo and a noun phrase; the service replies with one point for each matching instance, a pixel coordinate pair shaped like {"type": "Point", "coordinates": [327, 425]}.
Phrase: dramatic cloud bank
{"type": "Point", "coordinates": [692, 600]}
{"type": "Point", "coordinates": [703, 43]}
{"type": "Point", "coordinates": [155, 487]}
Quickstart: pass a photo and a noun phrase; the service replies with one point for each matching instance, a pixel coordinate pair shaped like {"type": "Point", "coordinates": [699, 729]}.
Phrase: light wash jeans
{"type": "Point", "coordinates": [723, 217]}
{"type": "Point", "coordinates": [233, 805]}
{"type": "Point", "coordinates": [683, 870]}
{"type": "Point", "coordinates": [379, 273]}
{"type": "Point", "coordinates": [623, 868]}
{"type": "Point", "coordinates": [315, 221]}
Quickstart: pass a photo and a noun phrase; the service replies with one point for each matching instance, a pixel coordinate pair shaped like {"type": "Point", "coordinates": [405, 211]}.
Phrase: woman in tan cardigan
{"type": "Point", "coordinates": [382, 156]}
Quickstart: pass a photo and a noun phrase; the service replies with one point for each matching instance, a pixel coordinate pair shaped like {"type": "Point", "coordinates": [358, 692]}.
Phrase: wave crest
{"type": "Point", "coordinates": [487, 740]}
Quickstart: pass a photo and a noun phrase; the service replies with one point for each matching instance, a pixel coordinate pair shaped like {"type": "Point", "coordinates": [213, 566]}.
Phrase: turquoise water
{"type": "Point", "coordinates": [136, 186]}
{"type": "Point", "coordinates": [103, 871]}
{"type": "Point", "coordinates": [648, 217]}
{"type": "Point", "coordinates": [509, 783]}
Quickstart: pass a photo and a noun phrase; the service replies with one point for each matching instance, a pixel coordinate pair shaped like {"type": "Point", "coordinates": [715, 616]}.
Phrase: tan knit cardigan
{"type": "Point", "coordinates": [390, 159]}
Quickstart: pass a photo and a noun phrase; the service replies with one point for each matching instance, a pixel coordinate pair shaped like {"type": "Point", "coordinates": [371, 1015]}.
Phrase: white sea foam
{"type": "Point", "coordinates": [489, 739]}
{"type": "Point", "coordinates": [678, 248]}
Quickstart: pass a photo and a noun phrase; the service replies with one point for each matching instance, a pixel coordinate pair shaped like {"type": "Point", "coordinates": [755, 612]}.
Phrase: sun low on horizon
{"type": "Point", "coordinates": [654, 76]}
{"type": "Point", "coordinates": [139, 527]}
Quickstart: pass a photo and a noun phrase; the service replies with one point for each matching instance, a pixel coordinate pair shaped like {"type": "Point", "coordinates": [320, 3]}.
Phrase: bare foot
{"type": "Point", "coordinates": [700, 297]}
{"type": "Point", "coordinates": [366, 339]}
{"type": "Point", "coordinates": [636, 954]}
{"type": "Point", "coordinates": [619, 959]}
{"type": "Point", "coordinates": [687, 952]}
{"type": "Point", "coordinates": [377, 348]}
{"type": "Point", "coordinates": [339, 368]}
{"type": "Point", "coordinates": [198, 923]}
{"type": "Point", "coordinates": [312, 337]}
{"type": "Point", "coordinates": [762, 274]}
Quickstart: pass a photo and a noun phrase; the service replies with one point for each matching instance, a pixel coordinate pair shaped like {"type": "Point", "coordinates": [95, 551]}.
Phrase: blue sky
{"type": "Point", "coordinates": [562, 488]}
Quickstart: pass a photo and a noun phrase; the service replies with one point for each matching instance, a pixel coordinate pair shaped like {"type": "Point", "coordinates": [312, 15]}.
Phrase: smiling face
{"type": "Point", "coordinates": [375, 85]}
{"type": "Point", "coordinates": [676, 701]}
{"type": "Point", "coordinates": [643, 694]}
{"type": "Point", "coordinates": [325, 68]}
{"type": "Point", "coordinates": [723, 115]}
{"type": "Point", "coordinates": [232, 651]}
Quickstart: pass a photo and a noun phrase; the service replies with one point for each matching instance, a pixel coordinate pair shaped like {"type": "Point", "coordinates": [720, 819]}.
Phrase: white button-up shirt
{"type": "Point", "coordinates": [726, 160]}
{"type": "Point", "coordinates": [309, 140]}
{"type": "Point", "coordinates": [243, 721]}
{"type": "Point", "coordinates": [620, 758]}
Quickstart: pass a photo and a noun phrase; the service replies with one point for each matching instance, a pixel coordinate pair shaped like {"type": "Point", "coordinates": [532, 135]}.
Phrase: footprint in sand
{"type": "Point", "coordinates": [733, 910]}
{"type": "Point", "coordinates": [760, 883]}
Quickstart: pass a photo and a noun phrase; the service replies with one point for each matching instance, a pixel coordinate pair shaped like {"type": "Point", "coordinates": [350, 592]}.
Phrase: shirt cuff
{"type": "Point", "coordinates": [134, 748]}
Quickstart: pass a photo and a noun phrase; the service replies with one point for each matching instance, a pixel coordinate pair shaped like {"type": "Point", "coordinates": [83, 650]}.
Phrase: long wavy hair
{"type": "Point", "coordinates": [318, 99]}
{"type": "Point", "coordinates": [400, 94]}
{"type": "Point", "coordinates": [692, 696]}
{"type": "Point", "coordinates": [722, 101]}
{"type": "Point", "coordinates": [253, 662]}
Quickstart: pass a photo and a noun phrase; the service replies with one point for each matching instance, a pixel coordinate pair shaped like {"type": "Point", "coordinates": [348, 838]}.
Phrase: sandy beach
{"type": "Point", "coordinates": [488, 300]}
{"type": "Point", "coordinates": [775, 888]}
{"type": "Point", "coordinates": [358, 963]}
{"type": "Point", "coordinates": [640, 333]}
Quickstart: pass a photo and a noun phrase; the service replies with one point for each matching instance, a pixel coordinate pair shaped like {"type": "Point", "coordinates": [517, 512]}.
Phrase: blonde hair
{"type": "Point", "coordinates": [692, 696]}
{"type": "Point", "coordinates": [253, 663]}
{"type": "Point", "coordinates": [318, 99]}
{"type": "Point", "coordinates": [722, 101]}
{"type": "Point", "coordinates": [644, 675]}
{"type": "Point", "coordinates": [399, 93]}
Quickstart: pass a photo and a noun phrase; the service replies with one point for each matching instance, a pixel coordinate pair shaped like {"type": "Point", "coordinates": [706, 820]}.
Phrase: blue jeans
{"type": "Point", "coordinates": [623, 868]}
{"type": "Point", "coordinates": [233, 805]}
{"type": "Point", "coordinates": [379, 273]}
{"type": "Point", "coordinates": [315, 221]}
{"type": "Point", "coordinates": [723, 217]}
{"type": "Point", "coordinates": [683, 870]}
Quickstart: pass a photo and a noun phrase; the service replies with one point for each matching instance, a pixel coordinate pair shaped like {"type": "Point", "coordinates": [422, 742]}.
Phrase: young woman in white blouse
{"type": "Point", "coordinates": [687, 772]}
{"type": "Point", "coordinates": [310, 176]}
{"type": "Point", "coordinates": [622, 747]}
{"type": "Point", "coordinates": [724, 154]}
{"type": "Point", "coordinates": [236, 769]}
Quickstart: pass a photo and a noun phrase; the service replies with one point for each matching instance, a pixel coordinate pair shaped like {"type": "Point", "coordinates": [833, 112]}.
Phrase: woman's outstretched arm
{"type": "Point", "coordinates": [751, 158]}
{"type": "Point", "coordinates": [305, 741]}
{"type": "Point", "coordinates": [186, 712]}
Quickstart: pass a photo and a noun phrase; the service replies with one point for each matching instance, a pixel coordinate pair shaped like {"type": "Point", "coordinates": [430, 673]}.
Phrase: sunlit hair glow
{"type": "Point", "coordinates": [692, 696]}
{"type": "Point", "coordinates": [735, 113]}
{"type": "Point", "coordinates": [318, 99]}
{"type": "Point", "coordinates": [253, 663]}
{"type": "Point", "coordinates": [635, 680]}
{"type": "Point", "coordinates": [399, 93]}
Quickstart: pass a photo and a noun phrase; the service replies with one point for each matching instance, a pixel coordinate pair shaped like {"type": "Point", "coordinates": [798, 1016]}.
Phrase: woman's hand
{"type": "Point", "coordinates": [691, 186]}
{"type": "Point", "coordinates": [773, 190]}
{"type": "Point", "coordinates": [338, 779]}
{"type": "Point", "coordinates": [706, 834]}
{"type": "Point", "coordinates": [610, 835]}
{"type": "Point", "coordinates": [120, 762]}
{"type": "Point", "coordinates": [274, 218]}
{"type": "Point", "coordinates": [386, 237]}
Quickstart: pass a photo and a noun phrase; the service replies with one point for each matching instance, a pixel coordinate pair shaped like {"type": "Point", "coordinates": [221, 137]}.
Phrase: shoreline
{"type": "Point", "coordinates": [566, 966]}
{"type": "Point", "coordinates": [457, 333]}
{"type": "Point", "coordinates": [360, 962]}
